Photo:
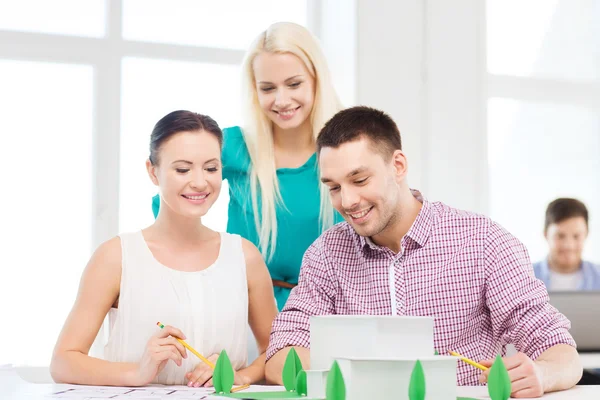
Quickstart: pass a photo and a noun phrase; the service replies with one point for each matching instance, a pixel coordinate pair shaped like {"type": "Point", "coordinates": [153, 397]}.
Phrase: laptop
{"type": "Point", "coordinates": [582, 308]}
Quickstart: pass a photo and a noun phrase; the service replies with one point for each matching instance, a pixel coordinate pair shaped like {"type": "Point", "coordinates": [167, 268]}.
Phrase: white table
{"type": "Point", "coordinates": [12, 387]}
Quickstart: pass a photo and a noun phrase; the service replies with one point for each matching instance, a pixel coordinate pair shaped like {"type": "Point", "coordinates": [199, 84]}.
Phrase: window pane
{"type": "Point", "coordinates": [65, 17]}
{"type": "Point", "coordinates": [538, 152]}
{"type": "Point", "coordinates": [544, 38]}
{"type": "Point", "coordinates": [46, 202]}
{"type": "Point", "coordinates": [152, 89]}
{"type": "Point", "coordinates": [227, 23]}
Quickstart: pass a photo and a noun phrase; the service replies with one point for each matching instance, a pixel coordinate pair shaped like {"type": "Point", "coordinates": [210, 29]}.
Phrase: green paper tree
{"type": "Point", "coordinates": [435, 353]}
{"type": "Point", "coordinates": [223, 374]}
{"type": "Point", "coordinates": [291, 368]}
{"type": "Point", "coordinates": [301, 386]}
{"type": "Point", "coordinates": [499, 387]}
{"type": "Point", "coordinates": [336, 388]}
{"type": "Point", "coordinates": [416, 388]}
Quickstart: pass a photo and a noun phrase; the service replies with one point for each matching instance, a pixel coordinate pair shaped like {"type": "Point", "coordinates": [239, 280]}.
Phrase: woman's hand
{"type": "Point", "coordinates": [202, 375]}
{"type": "Point", "coordinates": [161, 348]}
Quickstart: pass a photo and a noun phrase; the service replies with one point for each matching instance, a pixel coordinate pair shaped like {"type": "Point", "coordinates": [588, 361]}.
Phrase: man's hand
{"type": "Point", "coordinates": [526, 375]}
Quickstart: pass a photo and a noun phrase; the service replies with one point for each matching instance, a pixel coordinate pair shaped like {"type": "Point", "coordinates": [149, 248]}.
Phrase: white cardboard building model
{"type": "Point", "coordinates": [376, 355]}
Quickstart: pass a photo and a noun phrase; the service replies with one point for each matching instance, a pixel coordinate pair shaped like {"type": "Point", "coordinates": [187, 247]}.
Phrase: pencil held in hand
{"type": "Point", "coordinates": [190, 348]}
{"type": "Point", "coordinates": [468, 361]}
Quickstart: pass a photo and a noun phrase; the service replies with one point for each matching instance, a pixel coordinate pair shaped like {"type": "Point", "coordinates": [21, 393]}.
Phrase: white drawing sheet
{"type": "Point", "coordinates": [141, 393]}
{"type": "Point", "coordinates": [74, 392]}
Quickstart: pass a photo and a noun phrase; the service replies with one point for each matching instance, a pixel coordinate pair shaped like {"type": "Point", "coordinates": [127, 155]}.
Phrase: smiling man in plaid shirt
{"type": "Point", "coordinates": [399, 254]}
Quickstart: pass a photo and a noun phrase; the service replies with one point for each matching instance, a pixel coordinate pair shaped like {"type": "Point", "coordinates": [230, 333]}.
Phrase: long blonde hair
{"type": "Point", "coordinates": [282, 37]}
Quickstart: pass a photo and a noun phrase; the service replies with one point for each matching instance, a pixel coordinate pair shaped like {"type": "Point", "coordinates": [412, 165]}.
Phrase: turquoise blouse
{"type": "Point", "coordinates": [297, 219]}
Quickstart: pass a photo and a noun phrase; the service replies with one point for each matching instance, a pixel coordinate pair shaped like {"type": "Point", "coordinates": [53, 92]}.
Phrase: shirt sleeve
{"type": "Point", "coordinates": [518, 302]}
{"type": "Point", "coordinates": [314, 295]}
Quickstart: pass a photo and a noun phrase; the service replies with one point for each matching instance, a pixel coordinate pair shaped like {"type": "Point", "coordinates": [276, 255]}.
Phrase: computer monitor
{"type": "Point", "coordinates": [582, 308]}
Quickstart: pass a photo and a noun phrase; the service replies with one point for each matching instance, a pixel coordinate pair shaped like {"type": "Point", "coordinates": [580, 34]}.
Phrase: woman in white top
{"type": "Point", "coordinates": [206, 286]}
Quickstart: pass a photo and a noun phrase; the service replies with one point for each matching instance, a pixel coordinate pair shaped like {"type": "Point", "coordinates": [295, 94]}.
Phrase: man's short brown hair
{"type": "Point", "coordinates": [356, 122]}
{"type": "Point", "coordinates": [564, 208]}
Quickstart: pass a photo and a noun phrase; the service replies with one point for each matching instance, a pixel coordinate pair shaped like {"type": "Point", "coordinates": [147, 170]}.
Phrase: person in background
{"type": "Point", "coordinates": [399, 254]}
{"type": "Point", "coordinates": [566, 229]}
{"type": "Point", "coordinates": [208, 286]}
{"type": "Point", "coordinates": [276, 199]}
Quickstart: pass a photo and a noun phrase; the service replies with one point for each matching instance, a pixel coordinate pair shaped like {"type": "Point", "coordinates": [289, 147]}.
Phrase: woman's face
{"type": "Point", "coordinates": [188, 172]}
{"type": "Point", "coordinates": [285, 89]}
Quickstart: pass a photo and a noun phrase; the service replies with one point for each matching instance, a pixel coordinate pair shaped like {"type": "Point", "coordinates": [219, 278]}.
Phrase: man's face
{"type": "Point", "coordinates": [566, 240]}
{"type": "Point", "coordinates": [363, 186]}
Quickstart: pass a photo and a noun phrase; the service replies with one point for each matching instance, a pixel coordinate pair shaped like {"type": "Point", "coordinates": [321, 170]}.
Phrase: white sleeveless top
{"type": "Point", "coordinates": [210, 306]}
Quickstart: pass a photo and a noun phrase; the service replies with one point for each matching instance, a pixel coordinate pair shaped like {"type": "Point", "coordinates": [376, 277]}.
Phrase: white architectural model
{"type": "Point", "coordinates": [376, 355]}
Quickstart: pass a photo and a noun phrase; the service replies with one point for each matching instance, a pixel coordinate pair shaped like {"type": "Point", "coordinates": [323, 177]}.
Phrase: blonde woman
{"type": "Point", "coordinates": [276, 199]}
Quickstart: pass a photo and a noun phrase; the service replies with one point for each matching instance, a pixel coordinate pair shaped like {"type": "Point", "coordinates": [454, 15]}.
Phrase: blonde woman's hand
{"type": "Point", "coordinates": [202, 375]}
{"type": "Point", "coordinates": [162, 347]}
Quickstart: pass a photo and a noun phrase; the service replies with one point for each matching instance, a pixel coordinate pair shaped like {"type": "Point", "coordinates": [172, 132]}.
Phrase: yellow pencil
{"type": "Point", "coordinates": [190, 348]}
{"type": "Point", "coordinates": [237, 389]}
{"type": "Point", "coordinates": [471, 362]}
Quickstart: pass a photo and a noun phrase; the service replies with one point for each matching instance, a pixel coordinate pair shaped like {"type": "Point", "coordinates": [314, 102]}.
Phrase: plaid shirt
{"type": "Point", "coordinates": [463, 269]}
